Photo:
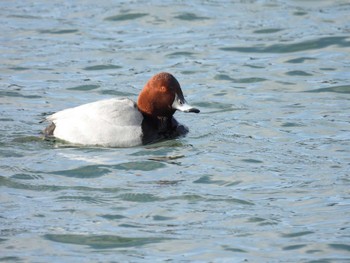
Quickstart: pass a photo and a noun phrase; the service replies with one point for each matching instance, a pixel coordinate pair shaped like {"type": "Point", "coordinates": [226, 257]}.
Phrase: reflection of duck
{"type": "Point", "coordinates": [121, 122]}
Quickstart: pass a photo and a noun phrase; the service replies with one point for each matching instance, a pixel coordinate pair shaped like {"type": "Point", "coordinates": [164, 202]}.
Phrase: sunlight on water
{"type": "Point", "coordinates": [262, 176]}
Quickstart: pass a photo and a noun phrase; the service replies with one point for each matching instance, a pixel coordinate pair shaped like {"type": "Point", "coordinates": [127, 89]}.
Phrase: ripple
{"type": "Point", "coordinates": [294, 247]}
{"type": "Point", "coordinates": [292, 124]}
{"type": "Point", "coordinates": [26, 177]}
{"type": "Point", "coordinates": [25, 16]}
{"type": "Point", "coordinates": [84, 198]}
{"type": "Point", "coordinates": [162, 218]}
{"type": "Point", "coordinates": [102, 67]}
{"type": "Point", "coordinates": [221, 107]}
{"type": "Point", "coordinates": [102, 241]}
{"type": "Point", "coordinates": [59, 31]}
{"type": "Point", "coordinates": [222, 77]}
{"type": "Point", "coordinates": [268, 30]}
{"type": "Point", "coordinates": [251, 161]}
{"type": "Point", "coordinates": [117, 93]}
{"type": "Point", "coordinates": [328, 69]}
{"type": "Point", "coordinates": [231, 200]}
{"type": "Point", "coordinates": [166, 158]}
{"type": "Point", "coordinates": [94, 171]}
{"type": "Point", "coordinates": [190, 17]}
{"type": "Point", "coordinates": [140, 166]}
{"type": "Point", "coordinates": [206, 179]}
{"type": "Point", "coordinates": [297, 234]}
{"type": "Point", "coordinates": [298, 73]}
{"type": "Point", "coordinates": [84, 87]}
{"type": "Point", "coordinates": [300, 13]}
{"type": "Point", "coordinates": [345, 247]}
{"type": "Point", "coordinates": [198, 198]}
{"type": "Point", "coordinates": [168, 182]}
{"type": "Point", "coordinates": [18, 68]}
{"type": "Point", "coordinates": [17, 94]}
{"type": "Point", "coordinates": [318, 43]}
{"type": "Point", "coordinates": [256, 220]}
{"type": "Point", "coordinates": [336, 89]}
{"type": "Point", "coordinates": [179, 54]}
{"type": "Point", "coordinates": [10, 183]}
{"type": "Point", "coordinates": [241, 80]}
{"type": "Point", "coordinates": [299, 60]}
{"type": "Point", "coordinates": [113, 217]}
{"type": "Point", "coordinates": [142, 198]}
{"type": "Point", "coordinates": [13, 183]}
{"type": "Point", "coordinates": [188, 72]}
{"type": "Point", "coordinates": [233, 249]}
{"type": "Point", "coordinates": [124, 17]}
{"type": "Point", "coordinates": [89, 171]}
{"type": "Point", "coordinates": [11, 259]}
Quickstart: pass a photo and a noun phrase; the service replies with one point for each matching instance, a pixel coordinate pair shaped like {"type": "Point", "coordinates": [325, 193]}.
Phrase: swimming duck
{"type": "Point", "coordinates": [120, 122]}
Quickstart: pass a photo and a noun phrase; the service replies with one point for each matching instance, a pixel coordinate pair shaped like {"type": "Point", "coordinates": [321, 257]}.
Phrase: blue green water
{"type": "Point", "coordinates": [263, 175]}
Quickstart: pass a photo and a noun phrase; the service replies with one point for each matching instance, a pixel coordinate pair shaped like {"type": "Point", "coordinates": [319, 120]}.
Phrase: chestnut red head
{"type": "Point", "coordinates": [162, 96]}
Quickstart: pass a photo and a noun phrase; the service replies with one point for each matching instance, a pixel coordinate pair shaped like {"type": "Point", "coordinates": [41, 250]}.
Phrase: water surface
{"type": "Point", "coordinates": [263, 175]}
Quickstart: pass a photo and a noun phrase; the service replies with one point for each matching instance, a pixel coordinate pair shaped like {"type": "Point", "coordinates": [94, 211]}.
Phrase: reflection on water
{"type": "Point", "coordinates": [263, 174]}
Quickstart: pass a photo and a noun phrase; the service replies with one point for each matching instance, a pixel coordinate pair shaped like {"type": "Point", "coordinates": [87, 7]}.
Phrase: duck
{"type": "Point", "coordinates": [121, 122]}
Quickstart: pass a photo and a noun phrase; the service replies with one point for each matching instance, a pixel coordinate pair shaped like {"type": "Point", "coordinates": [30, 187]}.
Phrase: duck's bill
{"type": "Point", "coordinates": [182, 105]}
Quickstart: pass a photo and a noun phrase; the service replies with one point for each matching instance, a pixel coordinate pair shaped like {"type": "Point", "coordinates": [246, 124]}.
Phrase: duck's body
{"type": "Point", "coordinates": [110, 123]}
{"type": "Point", "coordinates": [122, 122]}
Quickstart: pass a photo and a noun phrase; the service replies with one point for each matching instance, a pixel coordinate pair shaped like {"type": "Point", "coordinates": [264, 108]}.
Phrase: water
{"type": "Point", "coordinates": [263, 175]}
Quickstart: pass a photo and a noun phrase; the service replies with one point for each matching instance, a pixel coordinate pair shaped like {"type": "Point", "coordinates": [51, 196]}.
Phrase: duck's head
{"type": "Point", "coordinates": [162, 96]}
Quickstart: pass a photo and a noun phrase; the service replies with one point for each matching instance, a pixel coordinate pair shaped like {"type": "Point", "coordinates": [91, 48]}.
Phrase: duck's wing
{"type": "Point", "coordinates": [112, 123]}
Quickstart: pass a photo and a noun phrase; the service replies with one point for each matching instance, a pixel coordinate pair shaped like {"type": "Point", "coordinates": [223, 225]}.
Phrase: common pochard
{"type": "Point", "coordinates": [121, 122]}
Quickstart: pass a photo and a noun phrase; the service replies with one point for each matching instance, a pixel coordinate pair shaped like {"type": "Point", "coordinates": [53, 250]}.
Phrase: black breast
{"type": "Point", "coordinates": [161, 128]}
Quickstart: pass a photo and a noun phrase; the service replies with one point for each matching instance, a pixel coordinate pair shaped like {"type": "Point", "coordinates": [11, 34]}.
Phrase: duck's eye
{"type": "Point", "coordinates": [181, 102]}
